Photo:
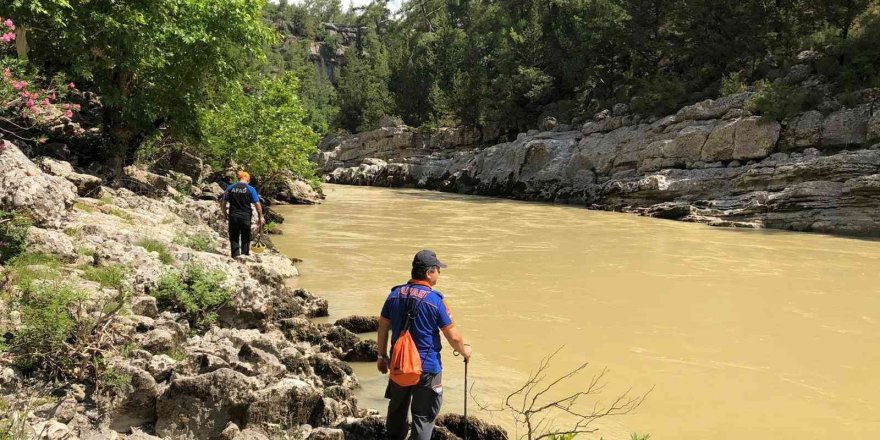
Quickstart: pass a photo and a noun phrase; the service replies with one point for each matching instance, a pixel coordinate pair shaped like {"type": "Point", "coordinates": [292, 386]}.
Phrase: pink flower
{"type": "Point", "coordinates": [46, 102]}
{"type": "Point", "coordinates": [68, 114]}
{"type": "Point", "coordinates": [31, 103]}
{"type": "Point", "coordinates": [71, 86]}
{"type": "Point", "coordinates": [67, 106]}
{"type": "Point", "coordinates": [8, 23]}
{"type": "Point", "coordinates": [53, 97]}
{"type": "Point", "coordinates": [8, 37]}
{"type": "Point", "coordinates": [19, 85]}
{"type": "Point", "coordinates": [76, 107]}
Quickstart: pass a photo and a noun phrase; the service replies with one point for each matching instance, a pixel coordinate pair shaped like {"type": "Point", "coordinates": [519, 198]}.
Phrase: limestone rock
{"type": "Point", "coordinates": [145, 305]}
{"type": "Point", "coordinates": [359, 324]}
{"type": "Point", "coordinates": [363, 351]}
{"type": "Point", "coordinates": [86, 184]}
{"type": "Point", "coordinates": [51, 430]}
{"type": "Point", "coordinates": [873, 132]}
{"type": "Point", "coordinates": [51, 242]}
{"type": "Point", "coordinates": [368, 428]}
{"type": "Point", "coordinates": [293, 189]}
{"type": "Point", "coordinates": [845, 127]}
{"type": "Point", "coordinates": [327, 434]}
{"type": "Point", "coordinates": [144, 182]}
{"type": "Point", "coordinates": [804, 131]}
{"type": "Point", "coordinates": [137, 404]}
{"type": "Point", "coordinates": [476, 428]}
{"type": "Point", "coordinates": [755, 138]}
{"type": "Point", "coordinates": [290, 400]}
{"type": "Point", "coordinates": [202, 406]}
{"type": "Point", "coordinates": [43, 198]}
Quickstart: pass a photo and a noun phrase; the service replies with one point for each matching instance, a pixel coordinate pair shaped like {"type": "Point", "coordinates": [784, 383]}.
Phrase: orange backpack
{"type": "Point", "coordinates": [406, 364]}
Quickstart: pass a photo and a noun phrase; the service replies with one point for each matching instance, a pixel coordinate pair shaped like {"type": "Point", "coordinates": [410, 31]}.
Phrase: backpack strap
{"type": "Point", "coordinates": [411, 311]}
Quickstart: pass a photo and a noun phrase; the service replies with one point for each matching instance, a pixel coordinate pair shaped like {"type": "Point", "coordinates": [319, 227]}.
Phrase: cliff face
{"type": "Point", "coordinates": [711, 162]}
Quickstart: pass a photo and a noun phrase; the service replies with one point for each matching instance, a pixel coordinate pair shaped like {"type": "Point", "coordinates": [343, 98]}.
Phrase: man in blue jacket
{"type": "Point", "coordinates": [432, 316]}
{"type": "Point", "coordinates": [239, 197]}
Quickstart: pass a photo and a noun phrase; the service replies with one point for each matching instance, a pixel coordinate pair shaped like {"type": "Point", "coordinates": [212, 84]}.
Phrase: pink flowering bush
{"type": "Point", "coordinates": [21, 99]}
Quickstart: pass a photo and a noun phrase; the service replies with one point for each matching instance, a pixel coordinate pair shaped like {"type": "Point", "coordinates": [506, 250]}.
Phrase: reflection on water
{"type": "Point", "coordinates": [744, 334]}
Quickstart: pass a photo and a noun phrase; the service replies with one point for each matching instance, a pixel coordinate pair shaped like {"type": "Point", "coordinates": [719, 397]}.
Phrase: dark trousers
{"type": "Point", "coordinates": [240, 236]}
{"type": "Point", "coordinates": [425, 398]}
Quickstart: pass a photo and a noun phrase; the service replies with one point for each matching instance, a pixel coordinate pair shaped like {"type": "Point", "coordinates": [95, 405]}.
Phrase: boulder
{"type": "Point", "coordinates": [43, 198]}
{"type": "Point", "coordinates": [755, 138]}
{"type": "Point", "coordinates": [342, 338]}
{"type": "Point", "coordinates": [290, 402]}
{"type": "Point", "coordinates": [51, 430]}
{"type": "Point", "coordinates": [136, 405]}
{"type": "Point", "coordinates": [145, 305]}
{"type": "Point", "coordinates": [712, 108]}
{"type": "Point", "coordinates": [476, 428]}
{"type": "Point", "coordinates": [293, 189]}
{"type": "Point", "coordinates": [359, 324]}
{"type": "Point", "coordinates": [202, 406]}
{"type": "Point", "coordinates": [364, 351]}
{"type": "Point", "coordinates": [846, 127]}
{"type": "Point", "coordinates": [51, 242]}
{"type": "Point", "coordinates": [804, 131]}
{"type": "Point", "coordinates": [86, 184]}
{"type": "Point", "coordinates": [720, 143]}
{"type": "Point", "coordinates": [367, 428]}
{"type": "Point", "coordinates": [332, 371]}
{"type": "Point", "coordinates": [146, 183]}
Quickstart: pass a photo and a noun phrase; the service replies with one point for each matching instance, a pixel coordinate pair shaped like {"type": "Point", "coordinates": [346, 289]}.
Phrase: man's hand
{"type": "Point", "coordinates": [382, 365]}
{"type": "Point", "coordinates": [466, 353]}
{"type": "Point", "coordinates": [262, 222]}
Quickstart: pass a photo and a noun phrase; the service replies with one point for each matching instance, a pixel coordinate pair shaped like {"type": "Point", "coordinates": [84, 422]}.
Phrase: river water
{"type": "Point", "coordinates": [758, 335]}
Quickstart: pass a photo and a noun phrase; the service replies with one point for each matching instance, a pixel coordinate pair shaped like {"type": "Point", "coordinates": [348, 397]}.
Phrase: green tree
{"type": "Point", "coordinates": [263, 128]}
{"type": "Point", "coordinates": [152, 62]}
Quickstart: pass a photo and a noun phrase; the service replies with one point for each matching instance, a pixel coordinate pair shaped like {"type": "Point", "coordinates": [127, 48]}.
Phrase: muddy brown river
{"type": "Point", "coordinates": [742, 334]}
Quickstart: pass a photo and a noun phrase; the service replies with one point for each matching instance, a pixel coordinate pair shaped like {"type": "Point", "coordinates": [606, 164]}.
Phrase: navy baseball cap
{"type": "Point", "coordinates": [427, 258]}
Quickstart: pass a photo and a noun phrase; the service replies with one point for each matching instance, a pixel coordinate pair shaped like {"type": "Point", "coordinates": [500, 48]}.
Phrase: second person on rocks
{"type": "Point", "coordinates": [240, 196]}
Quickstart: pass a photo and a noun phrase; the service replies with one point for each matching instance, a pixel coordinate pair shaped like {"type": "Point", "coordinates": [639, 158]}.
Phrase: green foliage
{"type": "Point", "coordinates": [199, 242]}
{"type": "Point", "coordinates": [115, 380]}
{"type": "Point", "coordinates": [196, 293]}
{"type": "Point", "coordinates": [48, 322]}
{"type": "Point", "coordinates": [272, 227]}
{"type": "Point", "coordinates": [732, 84]}
{"type": "Point", "coordinates": [29, 267]}
{"type": "Point", "coordinates": [160, 248]}
{"type": "Point", "coordinates": [263, 129]}
{"type": "Point", "coordinates": [777, 101]}
{"type": "Point", "coordinates": [13, 235]}
{"type": "Point", "coordinates": [636, 436]}
{"type": "Point", "coordinates": [84, 207]}
{"type": "Point", "coordinates": [150, 61]}
{"type": "Point", "coordinates": [363, 89]}
{"type": "Point", "coordinates": [112, 277]}
{"type": "Point", "coordinates": [562, 436]}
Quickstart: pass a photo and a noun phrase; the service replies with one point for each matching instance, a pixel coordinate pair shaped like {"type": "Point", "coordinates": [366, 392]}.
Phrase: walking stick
{"type": "Point", "coordinates": [465, 399]}
{"type": "Point", "coordinates": [466, 424]}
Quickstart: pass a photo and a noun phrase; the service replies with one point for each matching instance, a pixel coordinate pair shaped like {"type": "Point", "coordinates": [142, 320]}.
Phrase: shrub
{"type": "Point", "coordinates": [777, 101]}
{"type": "Point", "coordinates": [271, 227]}
{"type": "Point", "coordinates": [732, 84]}
{"type": "Point", "coordinates": [49, 322]}
{"type": "Point", "coordinates": [157, 246]}
{"type": "Point", "coordinates": [13, 235]}
{"type": "Point", "coordinates": [196, 293]}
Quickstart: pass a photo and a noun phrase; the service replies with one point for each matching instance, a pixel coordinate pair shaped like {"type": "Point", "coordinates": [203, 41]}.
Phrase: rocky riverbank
{"type": "Point", "coordinates": [122, 317]}
{"type": "Point", "coordinates": [713, 162]}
